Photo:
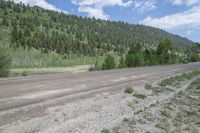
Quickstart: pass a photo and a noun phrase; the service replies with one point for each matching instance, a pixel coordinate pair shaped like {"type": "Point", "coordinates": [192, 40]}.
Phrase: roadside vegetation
{"type": "Point", "coordinates": [163, 55]}
{"type": "Point", "coordinates": [176, 79]}
{"type": "Point", "coordinates": [105, 130]}
{"type": "Point", "coordinates": [5, 63]}
{"type": "Point", "coordinates": [129, 90]}
{"type": "Point", "coordinates": [55, 39]}
{"type": "Point", "coordinates": [172, 109]}
{"type": "Point", "coordinates": [24, 58]}
{"type": "Point", "coordinates": [140, 96]}
{"type": "Point", "coordinates": [166, 84]}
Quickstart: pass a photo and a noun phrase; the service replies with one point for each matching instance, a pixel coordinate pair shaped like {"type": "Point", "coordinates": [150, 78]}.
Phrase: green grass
{"type": "Point", "coordinates": [130, 122]}
{"type": "Point", "coordinates": [196, 84]}
{"type": "Point", "coordinates": [105, 130]}
{"type": "Point", "coordinates": [166, 113]}
{"type": "Point", "coordinates": [41, 71]}
{"type": "Point", "coordinates": [27, 62]}
{"type": "Point", "coordinates": [128, 90]}
{"type": "Point", "coordinates": [156, 89]}
{"type": "Point", "coordinates": [167, 82]}
{"type": "Point", "coordinates": [140, 96]}
{"type": "Point", "coordinates": [175, 79]}
{"type": "Point", "coordinates": [24, 58]}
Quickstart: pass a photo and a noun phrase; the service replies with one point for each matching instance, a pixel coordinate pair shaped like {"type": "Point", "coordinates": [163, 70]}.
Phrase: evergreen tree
{"type": "Point", "coordinates": [122, 62]}
{"type": "Point", "coordinates": [135, 56]}
{"type": "Point", "coordinates": [5, 22]}
{"type": "Point", "coordinates": [150, 57]}
{"type": "Point", "coordinates": [109, 63]}
{"type": "Point", "coordinates": [5, 63]}
{"type": "Point", "coordinates": [165, 52]}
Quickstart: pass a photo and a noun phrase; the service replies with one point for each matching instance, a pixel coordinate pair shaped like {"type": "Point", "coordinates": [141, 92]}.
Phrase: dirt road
{"type": "Point", "coordinates": [26, 98]}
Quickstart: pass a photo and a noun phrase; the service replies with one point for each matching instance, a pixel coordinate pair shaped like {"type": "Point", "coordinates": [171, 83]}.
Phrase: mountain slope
{"type": "Point", "coordinates": [52, 31]}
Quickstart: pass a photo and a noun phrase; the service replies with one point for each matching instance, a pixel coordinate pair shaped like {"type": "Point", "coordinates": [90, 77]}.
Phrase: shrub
{"type": "Point", "coordinates": [187, 76]}
{"type": "Point", "coordinates": [194, 58]}
{"type": "Point", "coordinates": [105, 130]}
{"type": "Point", "coordinates": [156, 89]}
{"type": "Point", "coordinates": [122, 62]}
{"type": "Point", "coordinates": [167, 82]}
{"type": "Point", "coordinates": [135, 56]}
{"type": "Point", "coordinates": [128, 90]}
{"type": "Point", "coordinates": [5, 63]}
{"type": "Point", "coordinates": [129, 121]}
{"type": "Point", "coordinates": [148, 87]}
{"type": "Point", "coordinates": [109, 63]}
{"type": "Point", "coordinates": [141, 96]}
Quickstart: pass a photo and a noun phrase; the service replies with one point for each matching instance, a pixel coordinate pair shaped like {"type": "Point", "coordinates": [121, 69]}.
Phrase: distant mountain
{"type": "Point", "coordinates": [52, 31]}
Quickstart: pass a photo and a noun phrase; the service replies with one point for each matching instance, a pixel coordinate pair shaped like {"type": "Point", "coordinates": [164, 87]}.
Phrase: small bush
{"type": "Point", "coordinates": [105, 130]}
{"type": "Point", "coordinates": [157, 89]}
{"type": "Point", "coordinates": [109, 63]}
{"type": "Point", "coordinates": [25, 73]}
{"type": "Point", "coordinates": [5, 63]}
{"type": "Point", "coordinates": [196, 82]}
{"type": "Point", "coordinates": [128, 90]}
{"type": "Point", "coordinates": [129, 121]}
{"type": "Point", "coordinates": [167, 82]}
{"type": "Point", "coordinates": [194, 58]}
{"type": "Point", "coordinates": [187, 76]}
{"type": "Point", "coordinates": [166, 113]}
{"type": "Point", "coordinates": [148, 87]}
{"type": "Point", "coordinates": [141, 96]}
{"type": "Point", "coordinates": [196, 72]}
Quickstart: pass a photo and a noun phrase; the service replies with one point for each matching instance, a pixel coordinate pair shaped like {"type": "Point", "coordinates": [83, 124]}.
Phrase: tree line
{"type": "Point", "coordinates": [164, 54]}
{"type": "Point", "coordinates": [34, 27]}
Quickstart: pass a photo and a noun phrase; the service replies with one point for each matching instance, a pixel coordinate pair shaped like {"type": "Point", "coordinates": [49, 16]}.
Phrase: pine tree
{"type": "Point", "coordinates": [135, 56]}
{"type": "Point", "coordinates": [109, 63]}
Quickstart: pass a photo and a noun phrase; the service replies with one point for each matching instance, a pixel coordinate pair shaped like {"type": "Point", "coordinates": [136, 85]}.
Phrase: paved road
{"type": "Point", "coordinates": [22, 92]}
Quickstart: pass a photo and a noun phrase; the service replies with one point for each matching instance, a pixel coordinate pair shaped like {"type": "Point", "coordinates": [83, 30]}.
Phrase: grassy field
{"type": "Point", "coordinates": [36, 59]}
{"type": "Point", "coordinates": [29, 62]}
{"type": "Point", "coordinates": [41, 71]}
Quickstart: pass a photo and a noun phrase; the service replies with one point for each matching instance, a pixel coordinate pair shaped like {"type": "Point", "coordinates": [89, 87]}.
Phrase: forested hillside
{"type": "Point", "coordinates": [34, 27]}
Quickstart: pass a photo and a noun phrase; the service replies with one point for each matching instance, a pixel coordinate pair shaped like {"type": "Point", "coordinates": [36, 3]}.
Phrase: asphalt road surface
{"type": "Point", "coordinates": [40, 92]}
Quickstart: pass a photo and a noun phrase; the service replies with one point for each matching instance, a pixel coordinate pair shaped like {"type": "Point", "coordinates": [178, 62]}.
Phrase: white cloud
{"type": "Point", "coordinates": [144, 5]}
{"type": "Point", "coordinates": [94, 8]}
{"type": "Point", "coordinates": [94, 12]}
{"type": "Point", "coordinates": [185, 2]}
{"type": "Point", "coordinates": [189, 19]}
{"type": "Point", "coordinates": [42, 3]}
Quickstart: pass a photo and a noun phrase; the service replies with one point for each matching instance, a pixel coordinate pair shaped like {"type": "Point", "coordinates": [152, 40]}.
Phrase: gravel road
{"type": "Point", "coordinates": [25, 98]}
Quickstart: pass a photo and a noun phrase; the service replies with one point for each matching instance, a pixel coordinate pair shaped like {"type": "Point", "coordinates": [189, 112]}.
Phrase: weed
{"type": "Point", "coordinates": [157, 90]}
{"type": "Point", "coordinates": [187, 76]}
{"type": "Point", "coordinates": [25, 73]}
{"type": "Point", "coordinates": [141, 96]}
{"type": "Point", "coordinates": [176, 79]}
{"type": "Point", "coordinates": [166, 113]}
{"type": "Point", "coordinates": [163, 124]}
{"type": "Point", "coordinates": [128, 90]}
{"type": "Point", "coordinates": [129, 122]}
{"type": "Point", "coordinates": [148, 87]}
{"type": "Point", "coordinates": [105, 130]}
{"type": "Point", "coordinates": [167, 82]}
{"type": "Point", "coordinates": [196, 82]}
{"type": "Point", "coordinates": [139, 111]}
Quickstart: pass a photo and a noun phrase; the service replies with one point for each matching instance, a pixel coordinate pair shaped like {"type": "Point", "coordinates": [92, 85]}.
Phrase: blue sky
{"type": "Point", "coordinates": [180, 17]}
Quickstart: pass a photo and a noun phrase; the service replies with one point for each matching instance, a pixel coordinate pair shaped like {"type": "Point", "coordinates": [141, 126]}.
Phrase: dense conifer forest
{"type": "Point", "coordinates": [34, 27]}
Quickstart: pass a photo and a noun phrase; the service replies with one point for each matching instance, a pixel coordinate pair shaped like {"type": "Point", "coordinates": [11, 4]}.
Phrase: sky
{"type": "Point", "coordinates": [180, 17]}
